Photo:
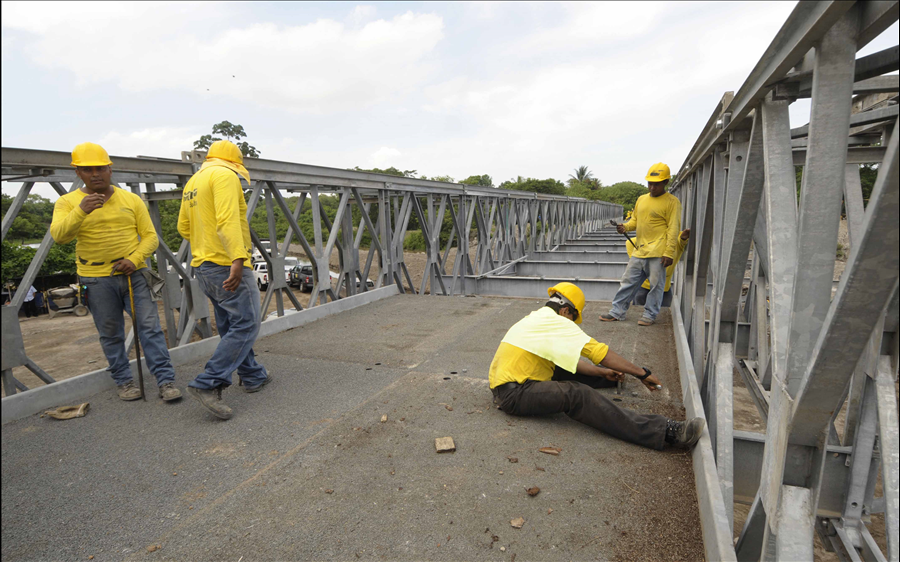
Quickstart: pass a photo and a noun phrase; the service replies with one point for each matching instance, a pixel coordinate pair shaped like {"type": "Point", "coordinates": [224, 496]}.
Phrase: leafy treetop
{"type": "Point", "coordinates": [230, 132]}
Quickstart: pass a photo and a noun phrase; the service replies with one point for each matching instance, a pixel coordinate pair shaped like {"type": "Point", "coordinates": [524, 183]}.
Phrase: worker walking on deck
{"type": "Point", "coordinates": [523, 382]}
{"type": "Point", "coordinates": [213, 218]}
{"type": "Point", "coordinates": [115, 237]}
{"type": "Point", "coordinates": [657, 219]}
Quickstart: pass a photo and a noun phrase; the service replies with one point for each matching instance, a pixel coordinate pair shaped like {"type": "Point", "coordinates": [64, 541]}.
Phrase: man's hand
{"type": "Point", "coordinates": [666, 261]}
{"type": "Point", "coordinates": [123, 266]}
{"type": "Point", "coordinates": [611, 375]}
{"type": "Point", "coordinates": [651, 382]}
{"type": "Point", "coordinates": [620, 229]}
{"type": "Point", "coordinates": [686, 233]}
{"type": "Point", "coordinates": [235, 276]}
{"type": "Point", "coordinates": [91, 202]}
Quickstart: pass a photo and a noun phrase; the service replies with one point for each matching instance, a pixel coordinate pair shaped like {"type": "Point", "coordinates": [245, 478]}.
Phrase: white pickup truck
{"type": "Point", "coordinates": [261, 272]}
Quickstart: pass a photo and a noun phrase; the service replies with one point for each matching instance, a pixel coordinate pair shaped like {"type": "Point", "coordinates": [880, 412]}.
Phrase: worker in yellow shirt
{"type": "Point", "coordinates": [115, 237]}
{"type": "Point", "coordinates": [657, 220]}
{"type": "Point", "coordinates": [640, 296]}
{"type": "Point", "coordinates": [213, 218]}
{"type": "Point", "coordinates": [525, 376]}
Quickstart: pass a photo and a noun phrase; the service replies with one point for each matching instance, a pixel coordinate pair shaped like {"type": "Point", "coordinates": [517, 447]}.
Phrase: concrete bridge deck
{"type": "Point", "coordinates": [306, 469]}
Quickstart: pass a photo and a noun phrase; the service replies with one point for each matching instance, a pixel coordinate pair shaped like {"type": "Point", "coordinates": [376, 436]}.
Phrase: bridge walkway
{"type": "Point", "coordinates": [307, 470]}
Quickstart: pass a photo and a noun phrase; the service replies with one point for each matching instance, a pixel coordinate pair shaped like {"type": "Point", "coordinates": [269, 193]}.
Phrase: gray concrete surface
{"type": "Point", "coordinates": [306, 469]}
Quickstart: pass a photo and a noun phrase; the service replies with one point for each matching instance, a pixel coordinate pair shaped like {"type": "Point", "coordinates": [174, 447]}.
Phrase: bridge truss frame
{"type": "Point", "coordinates": [802, 353]}
{"type": "Point", "coordinates": [507, 225]}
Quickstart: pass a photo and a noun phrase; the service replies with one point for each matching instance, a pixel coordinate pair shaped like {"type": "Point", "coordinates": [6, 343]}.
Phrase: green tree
{"type": "Point", "coordinates": [233, 133]}
{"type": "Point", "coordinates": [624, 193]}
{"type": "Point", "coordinates": [446, 179]}
{"type": "Point", "coordinates": [582, 175]}
{"type": "Point", "coordinates": [549, 186]}
{"type": "Point", "coordinates": [33, 219]}
{"type": "Point", "coordinates": [483, 180]}
{"type": "Point", "coordinates": [392, 171]}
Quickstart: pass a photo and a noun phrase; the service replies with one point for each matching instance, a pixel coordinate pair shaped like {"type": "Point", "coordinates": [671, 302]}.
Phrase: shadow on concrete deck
{"type": "Point", "coordinates": [307, 470]}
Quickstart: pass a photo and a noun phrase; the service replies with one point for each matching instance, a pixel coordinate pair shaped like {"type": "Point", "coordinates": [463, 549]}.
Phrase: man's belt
{"type": "Point", "coordinates": [85, 262]}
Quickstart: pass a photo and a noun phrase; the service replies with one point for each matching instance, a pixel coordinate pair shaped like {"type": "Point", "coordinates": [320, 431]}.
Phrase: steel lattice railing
{"type": "Point", "coordinates": [806, 346]}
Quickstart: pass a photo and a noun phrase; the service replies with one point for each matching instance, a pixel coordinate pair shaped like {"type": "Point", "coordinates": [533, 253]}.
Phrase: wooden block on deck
{"type": "Point", "coordinates": [444, 445]}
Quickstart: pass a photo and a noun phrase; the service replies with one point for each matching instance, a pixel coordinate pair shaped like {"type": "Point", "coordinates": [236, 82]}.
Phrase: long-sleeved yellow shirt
{"type": "Point", "coordinates": [107, 234]}
{"type": "Point", "coordinates": [680, 245]}
{"type": "Point", "coordinates": [658, 224]}
{"type": "Point", "coordinates": [513, 364]}
{"type": "Point", "coordinates": [213, 217]}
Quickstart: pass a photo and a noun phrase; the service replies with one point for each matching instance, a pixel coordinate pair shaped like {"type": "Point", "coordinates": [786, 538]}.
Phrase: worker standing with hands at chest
{"type": "Point", "coordinates": [213, 218]}
{"type": "Point", "coordinates": [657, 220]}
{"type": "Point", "coordinates": [115, 237]}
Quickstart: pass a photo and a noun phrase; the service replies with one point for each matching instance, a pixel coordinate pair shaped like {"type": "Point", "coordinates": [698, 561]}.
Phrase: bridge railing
{"type": "Point", "coordinates": [806, 350]}
{"type": "Point", "coordinates": [490, 227]}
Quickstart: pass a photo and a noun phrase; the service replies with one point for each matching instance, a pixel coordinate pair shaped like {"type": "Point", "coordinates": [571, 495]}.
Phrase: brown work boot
{"type": "Point", "coordinates": [212, 401]}
{"type": "Point", "coordinates": [129, 391]}
{"type": "Point", "coordinates": [609, 318]}
{"type": "Point", "coordinates": [168, 392]}
{"type": "Point", "coordinates": [646, 322]}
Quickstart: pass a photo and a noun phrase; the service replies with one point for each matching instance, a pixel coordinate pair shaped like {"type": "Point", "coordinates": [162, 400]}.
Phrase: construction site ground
{"type": "Point", "coordinates": [336, 459]}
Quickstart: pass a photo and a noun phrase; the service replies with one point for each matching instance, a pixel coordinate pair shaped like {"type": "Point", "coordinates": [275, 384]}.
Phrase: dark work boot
{"type": "Point", "coordinates": [684, 434]}
{"type": "Point", "coordinates": [211, 400]}
{"type": "Point", "coordinates": [258, 387]}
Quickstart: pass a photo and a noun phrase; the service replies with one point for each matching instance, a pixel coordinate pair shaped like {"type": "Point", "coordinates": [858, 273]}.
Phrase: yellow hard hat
{"type": "Point", "coordinates": [658, 172]}
{"type": "Point", "coordinates": [572, 294]}
{"type": "Point", "coordinates": [90, 154]}
{"type": "Point", "coordinates": [226, 150]}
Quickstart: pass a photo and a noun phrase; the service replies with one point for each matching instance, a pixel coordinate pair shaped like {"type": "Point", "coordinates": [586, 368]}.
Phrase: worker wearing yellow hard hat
{"type": "Point", "coordinates": [213, 218]}
{"type": "Point", "coordinates": [657, 220]}
{"type": "Point", "coordinates": [115, 236]}
{"type": "Point", "coordinates": [546, 364]}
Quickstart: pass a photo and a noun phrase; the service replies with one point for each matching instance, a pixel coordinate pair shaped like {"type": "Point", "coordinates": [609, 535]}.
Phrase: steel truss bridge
{"type": "Point", "coordinates": [755, 293]}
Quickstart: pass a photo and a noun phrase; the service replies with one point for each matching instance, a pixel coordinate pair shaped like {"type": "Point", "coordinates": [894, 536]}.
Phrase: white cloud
{"type": "Point", "coordinates": [591, 25]}
{"type": "Point", "coordinates": [164, 142]}
{"type": "Point", "coordinates": [361, 14]}
{"type": "Point", "coordinates": [385, 157]}
{"type": "Point", "coordinates": [319, 67]}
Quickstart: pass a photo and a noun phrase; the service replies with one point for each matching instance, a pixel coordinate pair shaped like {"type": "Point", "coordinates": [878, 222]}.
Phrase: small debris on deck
{"type": "Point", "coordinates": [444, 445]}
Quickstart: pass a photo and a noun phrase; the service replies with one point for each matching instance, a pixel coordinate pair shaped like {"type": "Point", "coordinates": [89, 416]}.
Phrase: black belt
{"type": "Point", "coordinates": [85, 262]}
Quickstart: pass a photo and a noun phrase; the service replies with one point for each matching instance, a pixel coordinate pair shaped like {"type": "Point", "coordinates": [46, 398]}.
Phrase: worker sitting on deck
{"type": "Point", "coordinates": [522, 376]}
{"type": "Point", "coordinates": [656, 219]}
{"type": "Point", "coordinates": [640, 296]}
{"type": "Point", "coordinates": [115, 237]}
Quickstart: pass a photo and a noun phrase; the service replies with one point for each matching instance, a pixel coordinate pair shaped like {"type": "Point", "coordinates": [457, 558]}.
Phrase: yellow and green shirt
{"type": "Point", "coordinates": [121, 228]}
{"type": "Point", "coordinates": [658, 224]}
{"type": "Point", "coordinates": [512, 363]}
{"type": "Point", "coordinates": [213, 217]}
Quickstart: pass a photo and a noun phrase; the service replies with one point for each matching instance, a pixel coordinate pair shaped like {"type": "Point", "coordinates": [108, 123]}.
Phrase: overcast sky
{"type": "Point", "coordinates": [503, 89]}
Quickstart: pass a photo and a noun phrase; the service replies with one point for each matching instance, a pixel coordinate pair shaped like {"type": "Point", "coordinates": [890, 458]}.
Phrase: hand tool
{"type": "Point", "coordinates": [614, 223]}
{"type": "Point", "coordinates": [137, 341]}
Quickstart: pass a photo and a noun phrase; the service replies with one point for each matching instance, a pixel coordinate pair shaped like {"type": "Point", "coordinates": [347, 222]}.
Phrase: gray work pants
{"type": "Point", "coordinates": [583, 404]}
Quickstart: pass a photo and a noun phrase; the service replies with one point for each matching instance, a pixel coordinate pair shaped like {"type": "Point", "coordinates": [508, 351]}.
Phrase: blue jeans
{"type": "Point", "coordinates": [638, 270]}
{"type": "Point", "coordinates": [237, 319]}
{"type": "Point", "coordinates": [108, 300]}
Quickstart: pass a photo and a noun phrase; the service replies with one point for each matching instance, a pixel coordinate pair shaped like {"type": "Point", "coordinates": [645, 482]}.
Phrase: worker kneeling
{"type": "Point", "coordinates": [522, 376]}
